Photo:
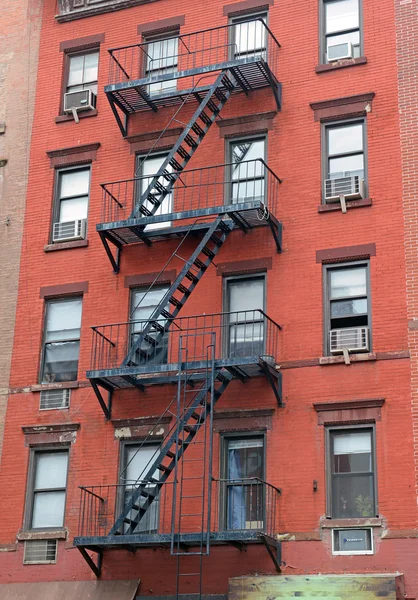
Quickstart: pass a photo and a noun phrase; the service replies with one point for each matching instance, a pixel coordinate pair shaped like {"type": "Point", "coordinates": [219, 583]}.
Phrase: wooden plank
{"type": "Point", "coordinates": [320, 587]}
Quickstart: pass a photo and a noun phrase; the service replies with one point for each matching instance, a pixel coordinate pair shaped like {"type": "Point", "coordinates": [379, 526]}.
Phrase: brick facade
{"type": "Point", "coordinates": [295, 437]}
{"type": "Point", "coordinates": [19, 34]}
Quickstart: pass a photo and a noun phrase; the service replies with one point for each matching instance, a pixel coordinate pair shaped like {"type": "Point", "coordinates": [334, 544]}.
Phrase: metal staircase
{"type": "Point", "coordinates": [193, 270]}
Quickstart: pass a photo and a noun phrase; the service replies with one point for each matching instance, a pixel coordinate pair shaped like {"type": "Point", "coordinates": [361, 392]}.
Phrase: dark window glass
{"type": "Point", "coordinates": [247, 170]}
{"type": "Point", "coordinates": [143, 305]}
{"type": "Point", "coordinates": [245, 321]}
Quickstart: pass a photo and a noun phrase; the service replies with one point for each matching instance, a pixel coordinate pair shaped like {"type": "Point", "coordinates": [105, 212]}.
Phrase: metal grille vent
{"type": "Point", "coordinates": [69, 230]}
{"type": "Point", "coordinates": [351, 187]}
{"type": "Point", "coordinates": [354, 339]}
{"type": "Point", "coordinates": [40, 552]}
{"type": "Point", "coordinates": [54, 399]}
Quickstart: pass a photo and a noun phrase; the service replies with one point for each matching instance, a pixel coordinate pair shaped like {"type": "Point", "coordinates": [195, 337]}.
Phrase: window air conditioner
{"type": "Point", "coordinates": [354, 339]}
{"type": "Point", "coordinates": [82, 100]}
{"type": "Point", "coordinates": [71, 230]}
{"type": "Point", "coordinates": [351, 187]}
{"type": "Point", "coordinates": [340, 51]}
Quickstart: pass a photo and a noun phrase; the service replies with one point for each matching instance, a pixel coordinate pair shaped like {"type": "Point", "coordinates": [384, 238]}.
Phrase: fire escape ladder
{"type": "Point", "coordinates": [176, 443]}
{"type": "Point", "coordinates": [174, 299]}
{"type": "Point", "coordinates": [187, 144]}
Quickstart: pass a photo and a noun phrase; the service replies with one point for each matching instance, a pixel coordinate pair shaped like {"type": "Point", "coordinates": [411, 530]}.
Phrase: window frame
{"type": "Point", "coordinates": [230, 142]}
{"type": "Point", "coordinates": [30, 491]}
{"type": "Point", "coordinates": [56, 200]}
{"type": "Point", "coordinates": [326, 269]}
{"type": "Point", "coordinates": [149, 38]}
{"type": "Point", "coordinates": [352, 552]}
{"type": "Point", "coordinates": [145, 289]}
{"type": "Point", "coordinates": [140, 160]}
{"type": "Point", "coordinates": [323, 36]}
{"type": "Point", "coordinates": [66, 70]}
{"type": "Point", "coordinates": [251, 15]}
{"type": "Point", "coordinates": [325, 127]}
{"type": "Point", "coordinates": [349, 428]}
{"type": "Point", "coordinates": [44, 331]}
{"type": "Point", "coordinates": [223, 469]}
{"type": "Point", "coordinates": [226, 304]}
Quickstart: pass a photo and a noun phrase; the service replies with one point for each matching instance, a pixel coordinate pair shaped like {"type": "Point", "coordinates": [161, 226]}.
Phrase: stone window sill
{"type": "Point", "coordinates": [81, 115]}
{"type": "Point", "coordinates": [351, 523]}
{"type": "Point", "coordinates": [50, 534]}
{"type": "Point", "coordinates": [336, 206]}
{"type": "Point", "coordinates": [66, 245]}
{"type": "Point", "coordinates": [40, 387]}
{"type": "Point", "coordinates": [341, 64]}
{"type": "Point", "coordinates": [354, 358]}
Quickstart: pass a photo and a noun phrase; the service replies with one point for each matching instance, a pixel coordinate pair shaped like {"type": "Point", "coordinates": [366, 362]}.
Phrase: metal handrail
{"type": "Point", "coordinates": [243, 479]}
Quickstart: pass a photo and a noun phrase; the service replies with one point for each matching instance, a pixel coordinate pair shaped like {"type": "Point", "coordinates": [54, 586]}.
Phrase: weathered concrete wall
{"type": "Point", "coordinates": [19, 42]}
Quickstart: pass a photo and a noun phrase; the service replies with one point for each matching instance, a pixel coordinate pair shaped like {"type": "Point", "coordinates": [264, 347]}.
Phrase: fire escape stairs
{"type": "Point", "coordinates": [175, 445]}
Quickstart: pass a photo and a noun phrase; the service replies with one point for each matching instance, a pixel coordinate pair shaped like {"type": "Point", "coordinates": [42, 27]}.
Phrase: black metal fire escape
{"type": "Point", "coordinates": [201, 378]}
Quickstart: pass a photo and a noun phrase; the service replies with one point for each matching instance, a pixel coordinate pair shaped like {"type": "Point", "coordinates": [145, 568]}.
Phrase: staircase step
{"type": "Point", "coordinates": [192, 277]}
{"type": "Point", "coordinates": [198, 130]}
{"type": "Point", "coordinates": [216, 239]}
{"type": "Point", "coordinates": [183, 153]}
{"type": "Point", "coordinates": [208, 252]}
{"type": "Point", "coordinates": [175, 164]}
{"type": "Point", "coordinates": [196, 416]}
{"type": "Point", "coordinates": [183, 289]}
{"type": "Point", "coordinates": [144, 210]}
{"type": "Point", "coordinates": [212, 106]}
{"type": "Point", "coordinates": [220, 95]}
{"type": "Point", "coordinates": [170, 454]}
{"type": "Point", "coordinates": [168, 176]}
{"type": "Point", "coordinates": [150, 340]}
{"type": "Point", "coordinates": [166, 314]}
{"type": "Point", "coordinates": [157, 326]}
{"type": "Point", "coordinates": [201, 265]}
{"type": "Point", "coordinates": [153, 199]}
{"type": "Point", "coordinates": [190, 141]}
{"type": "Point", "coordinates": [165, 469]}
{"type": "Point", "coordinates": [228, 83]}
{"type": "Point", "coordinates": [205, 118]}
{"type": "Point", "coordinates": [191, 429]}
{"type": "Point", "coordinates": [176, 302]}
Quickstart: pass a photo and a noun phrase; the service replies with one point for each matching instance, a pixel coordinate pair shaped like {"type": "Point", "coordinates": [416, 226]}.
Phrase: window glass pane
{"type": "Point", "coordinates": [137, 462]}
{"type": "Point", "coordinates": [246, 340]}
{"type": "Point", "coordinates": [75, 75]}
{"type": "Point", "coordinates": [48, 509]}
{"type": "Point", "coordinates": [353, 496]}
{"type": "Point", "coordinates": [63, 320]}
{"type": "Point", "coordinates": [144, 304]}
{"type": "Point", "coordinates": [248, 190]}
{"type": "Point", "coordinates": [248, 150]}
{"type": "Point", "coordinates": [61, 361]}
{"type": "Point", "coordinates": [74, 183]}
{"type": "Point", "coordinates": [162, 54]}
{"type": "Point", "coordinates": [91, 63]}
{"type": "Point", "coordinates": [348, 308]}
{"type": "Point", "coordinates": [352, 443]}
{"type": "Point", "coordinates": [51, 470]}
{"type": "Point", "coordinates": [73, 209]}
{"type": "Point", "coordinates": [345, 283]}
{"type": "Point", "coordinates": [353, 37]}
{"type": "Point", "coordinates": [341, 15]}
{"type": "Point", "coordinates": [346, 166]}
{"type": "Point", "coordinates": [345, 139]}
{"type": "Point", "coordinates": [246, 295]}
{"type": "Point", "coordinates": [250, 36]}
{"type": "Point", "coordinates": [151, 167]}
{"type": "Point", "coordinates": [245, 459]}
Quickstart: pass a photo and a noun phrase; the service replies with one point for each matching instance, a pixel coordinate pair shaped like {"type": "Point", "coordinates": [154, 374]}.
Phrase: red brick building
{"type": "Point", "coordinates": [242, 406]}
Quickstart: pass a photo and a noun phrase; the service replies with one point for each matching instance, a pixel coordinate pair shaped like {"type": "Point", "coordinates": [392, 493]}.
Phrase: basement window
{"type": "Point", "coordinates": [352, 541]}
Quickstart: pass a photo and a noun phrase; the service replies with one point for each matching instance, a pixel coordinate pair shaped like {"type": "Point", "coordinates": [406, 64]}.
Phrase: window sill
{"type": "Point", "coordinates": [341, 64]}
{"type": "Point", "coordinates": [81, 115]}
{"type": "Point", "coordinates": [46, 534]}
{"type": "Point", "coordinates": [66, 245]}
{"type": "Point", "coordinates": [62, 385]}
{"type": "Point", "coordinates": [336, 206]}
{"type": "Point", "coordinates": [351, 523]}
{"type": "Point", "coordinates": [354, 358]}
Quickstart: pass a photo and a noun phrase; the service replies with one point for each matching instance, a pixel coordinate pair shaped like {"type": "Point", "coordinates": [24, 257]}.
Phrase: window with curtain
{"type": "Point", "coordinates": [247, 174]}
{"type": "Point", "coordinates": [146, 169]}
{"type": "Point", "coordinates": [244, 494]}
{"type": "Point", "coordinates": [249, 36]}
{"type": "Point", "coordinates": [61, 340]}
{"type": "Point", "coordinates": [246, 335]}
{"type": "Point", "coordinates": [341, 20]}
{"type": "Point", "coordinates": [352, 480]}
{"type": "Point", "coordinates": [161, 59]}
{"type": "Point", "coordinates": [143, 304]}
{"type": "Point", "coordinates": [83, 72]}
{"type": "Point", "coordinates": [72, 197]}
{"type": "Point", "coordinates": [136, 461]}
{"type": "Point", "coordinates": [49, 489]}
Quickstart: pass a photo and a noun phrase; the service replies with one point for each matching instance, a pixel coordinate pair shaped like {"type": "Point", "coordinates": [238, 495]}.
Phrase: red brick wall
{"type": "Point", "coordinates": [295, 444]}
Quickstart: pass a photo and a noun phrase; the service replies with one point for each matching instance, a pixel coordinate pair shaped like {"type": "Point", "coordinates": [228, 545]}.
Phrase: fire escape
{"type": "Point", "coordinates": [177, 502]}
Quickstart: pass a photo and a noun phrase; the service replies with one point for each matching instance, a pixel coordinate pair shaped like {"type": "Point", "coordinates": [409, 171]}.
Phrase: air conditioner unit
{"type": "Point", "coordinates": [81, 100]}
{"type": "Point", "coordinates": [54, 399]}
{"type": "Point", "coordinates": [353, 339]}
{"type": "Point", "coordinates": [70, 230]}
{"type": "Point", "coordinates": [340, 51]}
{"type": "Point", "coordinates": [352, 187]}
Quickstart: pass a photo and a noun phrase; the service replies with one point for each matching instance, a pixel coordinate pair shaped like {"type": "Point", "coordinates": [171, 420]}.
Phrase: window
{"type": "Point", "coordinates": [146, 168]}
{"type": "Point", "coordinates": [143, 304]}
{"type": "Point", "coordinates": [48, 489]}
{"type": "Point", "coordinates": [61, 340]}
{"type": "Point", "coordinates": [244, 300]}
{"type": "Point", "coordinates": [348, 317]}
{"type": "Point", "coordinates": [161, 58]}
{"type": "Point", "coordinates": [248, 36]}
{"type": "Point", "coordinates": [342, 29]}
{"type": "Point", "coordinates": [136, 459]}
{"type": "Point", "coordinates": [351, 477]}
{"type": "Point", "coordinates": [83, 72]}
{"type": "Point", "coordinates": [247, 177]}
{"type": "Point", "coordinates": [71, 204]}
{"type": "Point", "coordinates": [352, 541]}
{"type": "Point", "coordinates": [243, 467]}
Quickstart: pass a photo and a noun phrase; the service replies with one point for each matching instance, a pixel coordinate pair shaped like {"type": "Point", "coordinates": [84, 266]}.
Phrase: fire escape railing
{"type": "Point", "coordinates": [198, 190]}
{"type": "Point", "coordinates": [195, 53]}
{"type": "Point", "coordinates": [239, 335]}
{"type": "Point", "coordinates": [240, 505]}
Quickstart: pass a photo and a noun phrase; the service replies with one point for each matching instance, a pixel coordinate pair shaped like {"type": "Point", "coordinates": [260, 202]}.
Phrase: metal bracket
{"type": "Point", "coordinates": [343, 204]}
{"type": "Point", "coordinates": [275, 380]}
{"type": "Point", "coordinates": [105, 406]}
{"type": "Point", "coordinates": [276, 229]}
{"type": "Point", "coordinates": [95, 567]}
{"type": "Point", "coordinates": [276, 554]}
{"type": "Point", "coordinates": [122, 126]}
{"type": "Point", "coordinates": [115, 262]}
